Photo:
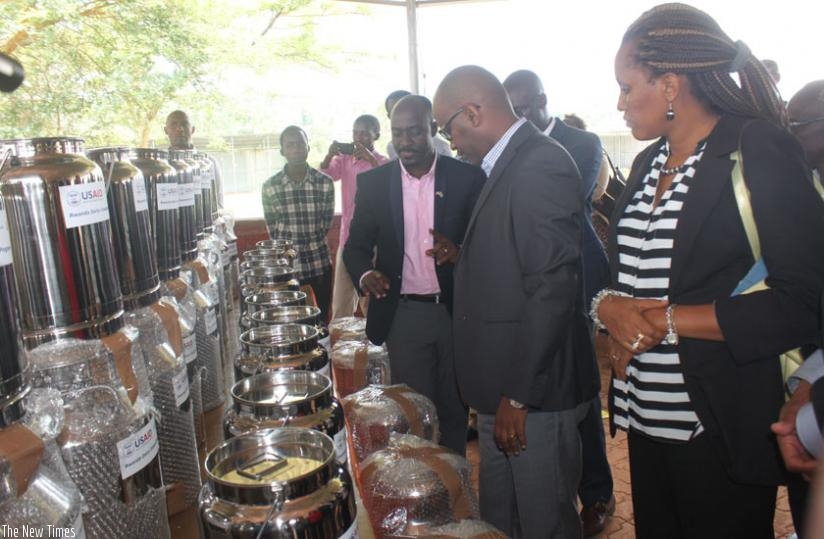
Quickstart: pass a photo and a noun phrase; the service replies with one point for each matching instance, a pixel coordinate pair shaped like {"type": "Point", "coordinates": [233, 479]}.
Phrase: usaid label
{"type": "Point", "coordinates": [5, 239]}
{"type": "Point", "coordinates": [141, 200]}
{"type": "Point", "coordinates": [189, 348]}
{"type": "Point", "coordinates": [180, 381]}
{"type": "Point", "coordinates": [138, 450]}
{"type": "Point", "coordinates": [166, 196]}
{"type": "Point", "coordinates": [210, 317]}
{"type": "Point", "coordinates": [84, 204]}
{"type": "Point", "coordinates": [186, 195]}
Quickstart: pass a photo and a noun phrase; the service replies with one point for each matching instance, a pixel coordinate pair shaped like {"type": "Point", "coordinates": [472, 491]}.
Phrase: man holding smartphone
{"type": "Point", "coordinates": [343, 162]}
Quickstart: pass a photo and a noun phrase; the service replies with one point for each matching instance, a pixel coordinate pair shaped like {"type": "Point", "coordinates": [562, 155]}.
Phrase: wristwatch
{"type": "Point", "coordinates": [517, 405]}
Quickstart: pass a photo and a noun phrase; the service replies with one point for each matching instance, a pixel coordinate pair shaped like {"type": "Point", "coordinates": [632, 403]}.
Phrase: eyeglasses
{"type": "Point", "coordinates": [445, 131]}
{"type": "Point", "coordinates": [800, 123]}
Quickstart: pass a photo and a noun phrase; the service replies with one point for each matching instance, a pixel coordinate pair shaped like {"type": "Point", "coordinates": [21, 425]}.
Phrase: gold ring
{"type": "Point", "coordinates": [637, 342]}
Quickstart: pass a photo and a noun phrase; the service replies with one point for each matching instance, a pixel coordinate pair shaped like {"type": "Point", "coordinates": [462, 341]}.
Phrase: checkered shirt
{"type": "Point", "coordinates": [302, 212]}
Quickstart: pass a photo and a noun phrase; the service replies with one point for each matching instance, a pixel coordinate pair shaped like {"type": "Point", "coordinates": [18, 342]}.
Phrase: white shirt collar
{"type": "Point", "coordinates": [489, 160]}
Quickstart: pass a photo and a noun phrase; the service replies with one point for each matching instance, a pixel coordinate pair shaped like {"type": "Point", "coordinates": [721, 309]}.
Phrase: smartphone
{"type": "Point", "coordinates": [346, 148]}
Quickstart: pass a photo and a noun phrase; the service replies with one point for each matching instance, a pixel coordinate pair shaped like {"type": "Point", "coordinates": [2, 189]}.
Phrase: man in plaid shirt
{"type": "Point", "coordinates": [298, 204]}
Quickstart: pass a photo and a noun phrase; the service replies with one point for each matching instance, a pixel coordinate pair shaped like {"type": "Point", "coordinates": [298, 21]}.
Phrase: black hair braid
{"type": "Point", "coordinates": [677, 38]}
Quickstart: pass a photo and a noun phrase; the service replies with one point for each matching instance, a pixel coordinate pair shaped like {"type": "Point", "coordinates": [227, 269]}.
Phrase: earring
{"type": "Point", "coordinates": [670, 112]}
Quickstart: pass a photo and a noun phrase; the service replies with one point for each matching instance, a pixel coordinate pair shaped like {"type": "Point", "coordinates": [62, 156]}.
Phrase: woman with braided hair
{"type": "Point", "coordinates": [697, 380]}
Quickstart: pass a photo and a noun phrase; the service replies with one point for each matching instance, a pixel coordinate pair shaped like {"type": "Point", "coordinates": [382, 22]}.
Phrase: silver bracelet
{"type": "Point", "coordinates": [596, 302]}
{"type": "Point", "coordinates": [672, 331]}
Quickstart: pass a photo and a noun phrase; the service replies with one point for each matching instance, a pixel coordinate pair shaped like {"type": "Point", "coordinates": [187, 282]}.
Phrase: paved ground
{"type": "Point", "coordinates": [621, 526]}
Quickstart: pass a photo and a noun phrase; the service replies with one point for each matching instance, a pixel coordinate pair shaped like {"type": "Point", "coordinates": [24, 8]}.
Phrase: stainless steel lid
{"type": "Point", "coordinates": [282, 394]}
{"type": "Point", "coordinates": [281, 246]}
{"type": "Point", "coordinates": [286, 314]}
{"type": "Point", "coordinates": [273, 342]}
{"type": "Point", "coordinates": [267, 300]}
{"type": "Point", "coordinates": [60, 233]}
{"type": "Point", "coordinates": [131, 226]}
{"type": "Point", "coordinates": [241, 469]}
{"type": "Point", "coordinates": [261, 255]}
{"type": "Point", "coordinates": [268, 275]}
{"type": "Point", "coordinates": [162, 189]}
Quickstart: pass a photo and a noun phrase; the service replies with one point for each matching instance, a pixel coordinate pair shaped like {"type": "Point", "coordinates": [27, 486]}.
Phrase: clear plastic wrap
{"type": "Point", "coordinates": [105, 413]}
{"type": "Point", "coordinates": [51, 499]}
{"type": "Point", "coordinates": [358, 364]}
{"type": "Point", "coordinates": [375, 413]}
{"type": "Point", "coordinates": [170, 385]}
{"type": "Point", "coordinates": [415, 485]}
{"type": "Point", "coordinates": [348, 328]}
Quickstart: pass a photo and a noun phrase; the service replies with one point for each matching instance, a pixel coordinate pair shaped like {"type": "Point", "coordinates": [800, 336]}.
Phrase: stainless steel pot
{"type": "Point", "coordinates": [289, 346]}
{"type": "Point", "coordinates": [13, 364]}
{"type": "Point", "coordinates": [269, 279]}
{"type": "Point", "coordinates": [60, 233]}
{"type": "Point", "coordinates": [267, 300]}
{"type": "Point", "coordinates": [284, 248]}
{"type": "Point", "coordinates": [278, 484]}
{"type": "Point", "coordinates": [286, 399]}
{"type": "Point", "coordinates": [162, 189]}
{"type": "Point", "coordinates": [131, 227]}
{"type": "Point", "coordinates": [186, 205]}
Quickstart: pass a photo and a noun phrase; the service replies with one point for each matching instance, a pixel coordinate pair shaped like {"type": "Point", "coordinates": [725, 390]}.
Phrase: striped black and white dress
{"type": "Point", "coordinates": [654, 400]}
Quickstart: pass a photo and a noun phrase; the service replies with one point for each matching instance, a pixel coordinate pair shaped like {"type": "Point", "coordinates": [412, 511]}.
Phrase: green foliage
{"type": "Point", "coordinates": [110, 70]}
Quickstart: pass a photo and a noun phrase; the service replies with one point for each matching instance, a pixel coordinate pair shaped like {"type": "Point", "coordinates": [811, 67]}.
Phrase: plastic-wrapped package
{"type": "Point", "coordinates": [466, 529]}
{"type": "Point", "coordinates": [209, 340]}
{"type": "Point", "coordinates": [348, 328]}
{"type": "Point", "coordinates": [285, 346]}
{"type": "Point", "coordinates": [287, 398]}
{"type": "Point", "coordinates": [51, 500]}
{"type": "Point", "coordinates": [162, 346]}
{"type": "Point", "coordinates": [374, 414]}
{"type": "Point", "coordinates": [109, 440]}
{"type": "Point", "coordinates": [358, 364]}
{"type": "Point", "coordinates": [414, 485]}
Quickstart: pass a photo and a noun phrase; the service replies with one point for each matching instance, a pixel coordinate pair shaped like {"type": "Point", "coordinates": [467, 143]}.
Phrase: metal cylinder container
{"type": "Point", "coordinates": [286, 399]}
{"type": "Point", "coordinates": [287, 346]}
{"type": "Point", "coordinates": [187, 222]}
{"type": "Point", "coordinates": [13, 364]}
{"type": "Point", "coordinates": [277, 484]}
{"type": "Point", "coordinates": [208, 188]}
{"type": "Point", "coordinates": [131, 227]}
{"type": "Point", "coordinates": [268, 279]}
{"type": "Point", "coordinates": [267, 300]}
{"type": "Point", "coordinates": [60, 233]}
{"type": "Point", "coordinates": [284, 248]}
{"type": "Point", "coordinates": [200, 223]}
{"type": "Point", "coordinates": [162, 190]}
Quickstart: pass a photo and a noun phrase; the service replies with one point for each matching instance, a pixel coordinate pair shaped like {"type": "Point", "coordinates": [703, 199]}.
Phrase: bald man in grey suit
{"type": "Point", "coordinates": [523, 352]}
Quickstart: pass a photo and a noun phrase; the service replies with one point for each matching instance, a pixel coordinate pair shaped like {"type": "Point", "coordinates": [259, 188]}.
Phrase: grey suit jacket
{"type": "Point", "coordinates": [519, 323]}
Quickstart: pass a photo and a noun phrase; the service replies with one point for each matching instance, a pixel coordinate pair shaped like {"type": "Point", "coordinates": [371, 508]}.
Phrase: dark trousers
{"type": "Point", "coordinates": [322, 286]}
{"type": "Point", "coordinates": [421, 356]}
{"type": "Point", "coordinates": [681, 490]}
{"type": "Point", "coordinates": [596, 475]}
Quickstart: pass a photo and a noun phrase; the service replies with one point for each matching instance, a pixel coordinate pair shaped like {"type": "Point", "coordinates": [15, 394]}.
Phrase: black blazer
{"type": "Point", "coordinates": [520, 327]}
{"type": "Point", "coordinates": [736, 385]}
{"type": "Point", "coordinates": [378, 223]}
{"type": "Point", "coordinates": [585, 150]}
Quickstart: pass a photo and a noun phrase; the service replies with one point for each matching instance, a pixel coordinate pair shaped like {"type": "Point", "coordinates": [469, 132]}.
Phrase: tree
{"type": "Point", "coordinates": [106, 69]}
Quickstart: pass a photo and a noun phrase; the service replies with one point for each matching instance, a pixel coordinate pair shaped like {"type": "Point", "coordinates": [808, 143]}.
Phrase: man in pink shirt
{"type": "Point", "coordinates": [343, 163]}
{"type": "Point", "coordinates": [413, 211]}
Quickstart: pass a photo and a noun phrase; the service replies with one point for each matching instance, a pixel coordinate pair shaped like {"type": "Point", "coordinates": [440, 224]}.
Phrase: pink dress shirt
{"type": "Point", "coordinates": [345, 168]}
{"type": "Point", "coordinates": [418, 276]}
